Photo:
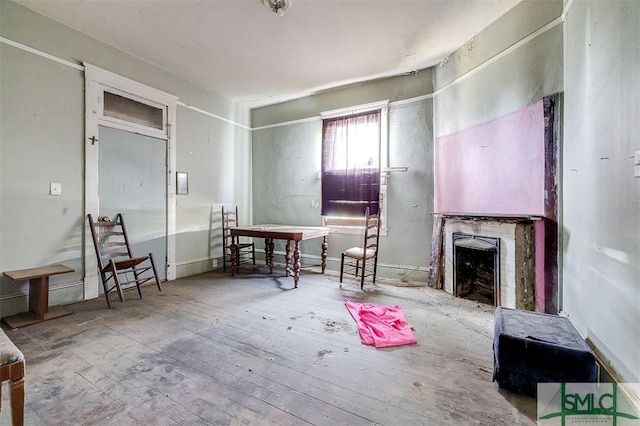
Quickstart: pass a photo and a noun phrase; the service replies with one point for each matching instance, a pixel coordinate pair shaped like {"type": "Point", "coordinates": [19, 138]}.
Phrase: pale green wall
{"type": "Point", "coordinates": [501, 70]}
{"type": "Point", "coordinates": [285, 152]}
{"type": "Point", "coordinates": [286, 187]}
{"type": "Point", "coordinates": [393, 89]}
{"type": "Point", "coordinates": [601, 201]}
{"type": "Point", "coordinates": [42, 140]}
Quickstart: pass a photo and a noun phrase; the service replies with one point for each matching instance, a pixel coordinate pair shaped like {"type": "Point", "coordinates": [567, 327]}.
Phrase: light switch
{"type": "Point", "coordinates": [637, 164]}
{"type": "Point", "coordinates": [55, 188]}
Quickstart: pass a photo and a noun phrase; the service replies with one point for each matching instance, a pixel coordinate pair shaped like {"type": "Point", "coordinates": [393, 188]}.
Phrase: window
{"type": "Point", "coordinates": [351, 164]}
{"type": "Point", "coordinates": [353, 155]}
{"type": "Point", "coordinates": [127, 109]}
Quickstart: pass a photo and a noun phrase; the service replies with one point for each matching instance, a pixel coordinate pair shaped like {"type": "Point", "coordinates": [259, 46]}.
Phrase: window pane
{"type": "Point", "coordinates": [351, 164]}
{"type": "Point", "coordinates": [352, 142]}
{"type": "Point", "coordinates": [363, 146]}
{"type": "Point", "coordinates": [126, 109]}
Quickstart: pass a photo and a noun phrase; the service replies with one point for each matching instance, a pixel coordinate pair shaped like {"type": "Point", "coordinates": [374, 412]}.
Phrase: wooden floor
{"type": "Point", "coordinates": [211, 349]}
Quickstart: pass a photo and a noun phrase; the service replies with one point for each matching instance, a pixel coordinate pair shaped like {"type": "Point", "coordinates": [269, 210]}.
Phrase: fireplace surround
{"type": "Point", "coordinates": [514, 241]}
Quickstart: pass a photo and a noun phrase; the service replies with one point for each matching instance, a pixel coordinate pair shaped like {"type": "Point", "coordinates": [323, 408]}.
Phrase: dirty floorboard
{"type": "Point", "coordinates": [211, 349]}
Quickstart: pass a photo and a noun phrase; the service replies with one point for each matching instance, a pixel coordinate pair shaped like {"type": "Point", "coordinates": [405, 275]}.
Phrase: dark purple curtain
{"type": "Point", "coordinates": [351, 164]}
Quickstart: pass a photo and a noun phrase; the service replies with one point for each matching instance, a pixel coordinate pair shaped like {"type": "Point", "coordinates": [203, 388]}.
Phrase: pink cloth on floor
{"type": "Point", "coordinates": [381, 326]}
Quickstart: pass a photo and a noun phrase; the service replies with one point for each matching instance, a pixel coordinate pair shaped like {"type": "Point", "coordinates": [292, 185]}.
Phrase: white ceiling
{"type": "Point", "coordinates": [241, 50]}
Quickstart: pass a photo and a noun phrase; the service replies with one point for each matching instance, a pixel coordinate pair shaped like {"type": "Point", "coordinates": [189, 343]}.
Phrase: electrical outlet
{"type": "Point", "coordinates": [400, 271]}
{"type": "Point", "coordinates": [55, 188]}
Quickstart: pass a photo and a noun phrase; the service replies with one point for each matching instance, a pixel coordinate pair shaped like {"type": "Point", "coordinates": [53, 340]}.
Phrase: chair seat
{"type": "Point", "coordinates": [9, 352]}
{"type": "Point", "coordinates": [127, 263]}
{"type": "Point", "coordinates": [359, 253]}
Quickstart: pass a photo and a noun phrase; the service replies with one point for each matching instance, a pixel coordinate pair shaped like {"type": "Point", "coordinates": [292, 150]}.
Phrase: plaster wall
{"type": "Point", "coordinates": [392, 88]}
{"type": "Point", "coordinates": [495, 167]}
{"type": "Point", "coordinates": [508, 66]}
{"type": "Point", "coordinates": [601, 196]}
{"type": "Point", "coordinates": [42, 141]}
{"type": "Point", "coordinates": [287, 188]}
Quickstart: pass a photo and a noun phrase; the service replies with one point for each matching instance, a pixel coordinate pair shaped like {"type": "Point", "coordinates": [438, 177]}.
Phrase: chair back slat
{"type": "Point", "coordinates": [371, 230]}
{"type": "Point", "coordinates": [362, 257]}
{"type": "Point", "coordinates": [245, 250]}
{"type": "Point", "coordinates": [229, 220]}
{"type": "Point", "coordinates": [109, 238]}
{"type": "Point", "coordinates": [114, 254]}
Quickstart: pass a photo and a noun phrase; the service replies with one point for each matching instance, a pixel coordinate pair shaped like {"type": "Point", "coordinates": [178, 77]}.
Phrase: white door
{"type": "Point", "coordinates": [133, 182]}
{"type": "Point", "coordinates": [129, 167]}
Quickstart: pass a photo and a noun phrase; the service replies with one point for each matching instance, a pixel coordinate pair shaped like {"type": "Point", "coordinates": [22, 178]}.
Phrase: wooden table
{"type": "Point", "coordinates": [281, 232]}
{"type": "Point", "coordinates": [38, 294]}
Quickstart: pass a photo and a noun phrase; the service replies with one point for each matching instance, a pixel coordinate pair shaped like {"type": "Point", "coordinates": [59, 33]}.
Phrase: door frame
{"type": "Point", "coordinates": [97, 81]}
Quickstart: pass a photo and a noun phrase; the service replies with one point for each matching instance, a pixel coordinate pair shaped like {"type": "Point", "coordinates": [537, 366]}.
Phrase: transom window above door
{"type": "Point", "coordinates": [127, 109]}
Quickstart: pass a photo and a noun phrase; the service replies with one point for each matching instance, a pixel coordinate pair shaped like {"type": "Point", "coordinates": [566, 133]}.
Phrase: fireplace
{"type": "Point", "coordinates": [476, 267]}
{"type": "Point", "coordinates": [498, 252]}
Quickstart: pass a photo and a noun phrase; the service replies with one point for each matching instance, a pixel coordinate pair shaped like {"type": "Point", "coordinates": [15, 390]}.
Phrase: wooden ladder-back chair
{"type": "Point", "coordinates": [367, 253]}
{"type": "Point", "coordinates": [245, 251]}
{"type": "Point", "coordinates": [118, 267]}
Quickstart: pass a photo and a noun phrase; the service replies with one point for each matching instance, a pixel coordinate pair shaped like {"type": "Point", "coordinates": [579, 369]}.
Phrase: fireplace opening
{"type": "Point", "coordinates": [476, 268]}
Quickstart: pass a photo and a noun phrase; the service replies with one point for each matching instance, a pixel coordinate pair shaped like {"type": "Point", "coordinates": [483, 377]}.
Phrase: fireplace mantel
{"type": "Point", "coordinates": [489, 216]}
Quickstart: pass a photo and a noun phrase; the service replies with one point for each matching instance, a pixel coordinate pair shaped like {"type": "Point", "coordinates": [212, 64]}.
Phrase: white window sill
{"type": "Point", "coordinates": [348, 225]}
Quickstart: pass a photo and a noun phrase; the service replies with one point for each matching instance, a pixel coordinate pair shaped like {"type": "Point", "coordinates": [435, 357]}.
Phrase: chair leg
{"type": "Point", "coordinates": [155, 273]}
{"type": "Point", "coordinates": [375, 268]}
{"type": "Point", "coordinates": [137, 277]}
{"type": "Point", "coordinates": [106, 290]}
{"type": "Point", "coordinates": [357, 267]}
{"type": "Point", "coordinates": [253, 252]}
{"type": "Point", "coordinates": [364, 272]}
{"type": "Point", "coordinates": [341, 267]}
{"type": "Point", "coordinates": [116, 281]}
{"type": "Point", "coordinates": [17, 402]}
{"type": "Point", "coordinates": [224, 259]}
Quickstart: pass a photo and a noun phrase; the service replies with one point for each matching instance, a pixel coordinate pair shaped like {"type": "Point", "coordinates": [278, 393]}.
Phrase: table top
{"type": "Point", "coordinates": [280, 232]}
{"type": "Point", "coordinates": [43, 271]}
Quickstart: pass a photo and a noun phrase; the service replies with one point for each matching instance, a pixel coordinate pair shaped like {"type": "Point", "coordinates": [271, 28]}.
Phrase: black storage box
{"type": "Point", "coordinates": [531, 348]}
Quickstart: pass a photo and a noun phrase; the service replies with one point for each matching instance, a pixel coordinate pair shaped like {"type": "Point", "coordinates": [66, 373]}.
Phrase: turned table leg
{"type": "Point", "coordinates": [269, 248]}
{"type": "Point", "coordinates": [233, 255]}
{"type": "Point", "coordinates": [296, 263]}
{"type": "Point", "coordinates": [325, 247]}
{"type": "Point", "coordinates": [288, 258]}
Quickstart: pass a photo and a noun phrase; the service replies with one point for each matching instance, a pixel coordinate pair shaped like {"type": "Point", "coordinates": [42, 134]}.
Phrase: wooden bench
{"type": "Point", "coordinates": [12, 368]}
{"type": "Point", "coordinates": [38, 294]}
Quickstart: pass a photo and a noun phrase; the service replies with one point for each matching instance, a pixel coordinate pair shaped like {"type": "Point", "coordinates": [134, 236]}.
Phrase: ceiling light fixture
{"type": "Point", "coordinates": [277, 6]}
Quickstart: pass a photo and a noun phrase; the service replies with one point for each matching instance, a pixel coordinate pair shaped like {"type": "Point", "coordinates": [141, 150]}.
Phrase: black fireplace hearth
{"type": "Point", "coordinates": [476, 268]}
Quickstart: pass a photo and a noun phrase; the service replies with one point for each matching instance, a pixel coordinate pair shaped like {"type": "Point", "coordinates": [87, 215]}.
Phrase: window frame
{"type": "Point", "coordinates": [132, 126]}
{"type": "Point", "coordinates": [353, 225]}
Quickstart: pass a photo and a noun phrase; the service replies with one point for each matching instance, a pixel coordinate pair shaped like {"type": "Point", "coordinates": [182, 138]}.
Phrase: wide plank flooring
{"type": "Point", "coordinates": [211, 349]}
